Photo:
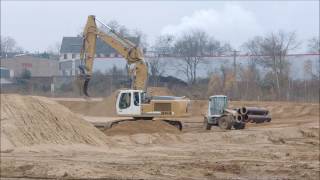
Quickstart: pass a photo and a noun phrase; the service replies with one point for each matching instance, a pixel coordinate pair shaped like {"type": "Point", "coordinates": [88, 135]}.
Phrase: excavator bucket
{"type": "Point", "coordinates": [83, 79]}
{"type": "Point", "coordinates": [85, 87]}
{"type": "Point", "coordinates": [87, 54]}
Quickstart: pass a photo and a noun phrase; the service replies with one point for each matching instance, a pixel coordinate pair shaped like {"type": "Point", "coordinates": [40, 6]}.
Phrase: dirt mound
{"type": "Point", "coordinates": [141, 126]}
{"type": "Point", "coordinates": [282, 109]}
{"type": "Point", "coordinates": [159, 91]}
{"type": "Point", "coordinates": [276, 109]}
{"type": "Point", "coordinates": [199, 107]}
{"type": "Point", "coordinates": [106, 107]}
{"type": "Point", "coordinates": [32, 120]}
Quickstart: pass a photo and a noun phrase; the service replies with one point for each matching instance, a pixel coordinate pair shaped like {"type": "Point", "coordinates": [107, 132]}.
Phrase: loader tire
{"type": "Point", "coordinates": [225, 122]}
{"type": "Point", "coordinates": [206, 125]}
{"type": "Point", "coordinates": [239, 125]}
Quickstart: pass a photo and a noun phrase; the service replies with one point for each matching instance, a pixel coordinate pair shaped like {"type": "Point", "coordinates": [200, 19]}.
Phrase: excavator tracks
{"type": "Point", "coordinates": [108, 125]}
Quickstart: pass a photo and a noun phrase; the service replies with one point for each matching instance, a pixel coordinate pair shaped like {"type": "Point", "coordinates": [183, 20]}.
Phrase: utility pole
{"type": "Point", "coordinates": [235, 88]}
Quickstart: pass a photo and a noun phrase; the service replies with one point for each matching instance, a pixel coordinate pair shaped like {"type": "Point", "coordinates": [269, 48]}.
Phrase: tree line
{"type": "Point", "coordinates": [244, 82]}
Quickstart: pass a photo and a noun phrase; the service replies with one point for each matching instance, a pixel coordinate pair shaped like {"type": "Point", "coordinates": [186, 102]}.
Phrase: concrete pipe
{"type": "Point", "coordinates": [243, 110]}
{"type": "Point", "coordinates": [254, 111]}
{"type": "Point", "coordinates": [259, 118]}
{"type": "Point", "coordinates": [239, 117]}
{"type": "Point", "coordinates": [245, 118]}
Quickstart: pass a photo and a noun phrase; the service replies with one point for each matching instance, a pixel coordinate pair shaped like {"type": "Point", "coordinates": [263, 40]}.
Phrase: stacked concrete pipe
{"type": "Point", "coordinates": [254, 114]}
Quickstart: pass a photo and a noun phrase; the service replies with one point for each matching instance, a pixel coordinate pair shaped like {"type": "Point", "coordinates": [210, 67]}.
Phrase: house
{"type": "Point", "coordinates": [5, 76]}
{"type": "Point", "coordinates": [6, 73]}
{"type": "Point", "coordinates": [38, 67]}
{"type": "Point", "coordinates": [69, 59]}
{"type": "Point", "coordinates": [71, 48]}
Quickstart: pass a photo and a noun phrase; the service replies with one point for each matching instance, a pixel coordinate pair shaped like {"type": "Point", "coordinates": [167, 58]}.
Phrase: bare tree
{"type": "Point", "coordinates": [54, 48]}
{"type": "Point", "coordinates": [115, 25]}
{"type": "Point", "coordinates": [157, 69]}
{"type": "Point", "coordinates": [8, 45]}
{"type": "Point", "coordinates": [191, 47]}
{"type": "Point", "coordinates": [250, 78]}
{"type": "Point", "coordinates": [215, 84]}
{"type": "Point", "coordinates": [271, 51]}
{"type": "Point", "coordinates": [307, 75]}
{"type": "Point", "coordinates": [216, 48]}
{"type": "Point", "coordinates": [135, 35]}
{"type": "Point", "coordinates": [163, 45]}
{"type": "Point", "coordinates": [18, 50]}
{"type": "Point", "coordinates": [314, 45]}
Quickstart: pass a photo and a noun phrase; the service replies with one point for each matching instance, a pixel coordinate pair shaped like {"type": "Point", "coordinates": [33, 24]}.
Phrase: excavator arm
{"type": "Point", "coordinates": [124, 47]}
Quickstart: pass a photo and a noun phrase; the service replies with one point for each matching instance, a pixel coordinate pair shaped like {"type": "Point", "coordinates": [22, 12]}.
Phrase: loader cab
{"type": "Point", "coordinates": [129, 102]}
{"type": "Point", "coordinates": [217, 104]}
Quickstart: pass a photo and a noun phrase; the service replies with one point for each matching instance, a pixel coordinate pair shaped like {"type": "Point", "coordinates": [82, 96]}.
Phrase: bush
{"type": "Point", "coordinates": [26, 74]}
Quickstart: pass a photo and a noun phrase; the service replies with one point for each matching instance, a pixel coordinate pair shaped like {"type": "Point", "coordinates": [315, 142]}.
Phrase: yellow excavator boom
{"type": "Point", "coordinates": [127, 49]}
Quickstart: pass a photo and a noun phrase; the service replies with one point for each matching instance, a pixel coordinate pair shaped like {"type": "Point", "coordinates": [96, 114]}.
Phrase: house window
{"type": "Point", "coordinates": [65, 56]}
{"type": "Point", "coordinates": [73, 56]}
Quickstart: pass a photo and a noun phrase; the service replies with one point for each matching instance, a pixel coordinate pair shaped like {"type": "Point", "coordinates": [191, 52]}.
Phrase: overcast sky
{"type": "Point", "coordinates": [36, 25]}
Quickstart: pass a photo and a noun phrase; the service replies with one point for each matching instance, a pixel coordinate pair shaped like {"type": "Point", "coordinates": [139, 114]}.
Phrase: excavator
{"type": "Point", "coordinates": [133, 102]}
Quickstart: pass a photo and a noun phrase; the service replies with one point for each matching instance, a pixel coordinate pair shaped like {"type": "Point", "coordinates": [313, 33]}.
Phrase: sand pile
{"type": "Point", "coordinates": [32, 120]}
{"type": "Point", "coordinates": [106, 107]}
{"type": "Point", "coordinates": [276, 109]}
{"type": "Point", "coordinates": [282, 109]}
{"type": "Point", "coordinates": [141, 126]}
{"type": "Point", "coordinates": [199, 107]}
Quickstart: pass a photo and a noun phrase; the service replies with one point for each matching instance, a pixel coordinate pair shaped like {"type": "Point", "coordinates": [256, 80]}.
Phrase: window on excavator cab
{"type": "Point", "coordinates": [136, 99]}
{"type": "Point", "coordinates": [125, 100]}
{"type": "Point", "coordinates": [144, 98]}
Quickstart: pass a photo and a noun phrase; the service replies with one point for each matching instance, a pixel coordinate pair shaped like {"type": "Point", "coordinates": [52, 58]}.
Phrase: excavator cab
{"type": "Point", "coordinates": [129, 102]}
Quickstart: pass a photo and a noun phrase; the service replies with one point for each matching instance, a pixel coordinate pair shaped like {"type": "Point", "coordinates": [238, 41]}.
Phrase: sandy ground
{"type": "Point", "coordinates": [285, 148]}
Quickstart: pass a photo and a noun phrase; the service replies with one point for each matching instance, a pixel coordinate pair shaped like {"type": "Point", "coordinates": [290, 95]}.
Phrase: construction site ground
{"type": "Point", "coordinates": [285, 148]}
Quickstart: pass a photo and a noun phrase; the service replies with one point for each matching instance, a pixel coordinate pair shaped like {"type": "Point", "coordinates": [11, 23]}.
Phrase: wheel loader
{"type": "Point", "coordinates": [218, 114]}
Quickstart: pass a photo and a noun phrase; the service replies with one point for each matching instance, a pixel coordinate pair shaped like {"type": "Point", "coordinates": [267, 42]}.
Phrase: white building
{"type": "Point", "coordinates": [69, 59]}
